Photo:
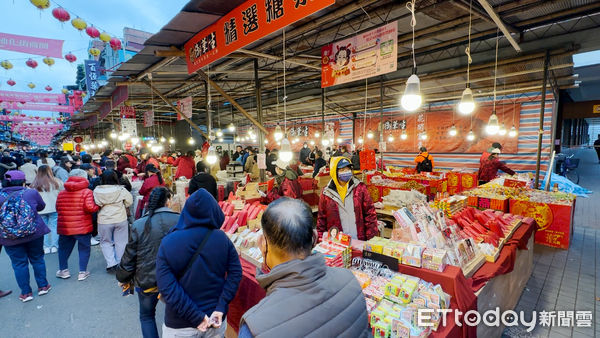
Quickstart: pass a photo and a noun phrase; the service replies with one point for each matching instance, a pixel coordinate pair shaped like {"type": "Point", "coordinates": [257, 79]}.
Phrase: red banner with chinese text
{"type": "Point", "coordinates": [554, 221]}
{"type": "Point", "coordinates": [252, 20]}
{"type": "Point", "coordinates": [437, 125]}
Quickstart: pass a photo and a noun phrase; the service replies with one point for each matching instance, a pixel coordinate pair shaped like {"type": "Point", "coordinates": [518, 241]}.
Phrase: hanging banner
{"type": "Point", "coordinates": [148, 118]}
{"type": "Point", "coordinates": [38, 107]}
{"type": "Point", "coordinates": [437, 124]}
{"type": "Point", "coordinates": [104, 110]}
{"type": "Point", "coordinates": [120, 95]}
{"type": "Point", "coordinates": [128, 126]}
{"type": "Point", "coordinates": [362, 56]}
{"type": "Point", "coordinates": [185, 106]}
{"type": "Point", "coordinates": [31, 45]}
{"type": "Point", "coordinates": [32, 97]}
{"type": "Point", "coordinates": [127, 112]}
{"type": "Point", "coordinates": [250, 21]}
{"type": "Point", "coordinates": [92, 69]}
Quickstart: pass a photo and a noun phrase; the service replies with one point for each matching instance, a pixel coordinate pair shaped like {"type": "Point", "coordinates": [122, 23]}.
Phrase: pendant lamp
{"type": "Point", "coordinates": [453, 131]}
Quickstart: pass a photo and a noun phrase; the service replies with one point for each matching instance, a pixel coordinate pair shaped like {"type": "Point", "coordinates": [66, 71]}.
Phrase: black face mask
{"type": "Point", "coordinates": [265, 267]}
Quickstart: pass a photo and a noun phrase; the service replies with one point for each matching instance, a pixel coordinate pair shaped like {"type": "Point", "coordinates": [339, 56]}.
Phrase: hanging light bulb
{"type": "Point", "coordinates": [231, 127]}
{"type": "Point", "coordinates": [471, 136]}
{"type": "Point", "coordinates": [312, 143]}
{"type": "Point", "coordinates": [391, 138]}
{"type": "Point", "coordinates": [286, 151]}
{"type": "Point", "coordinates": [219, 133]}
{"type": "Point", "coordinates": [339, 140]}
{"type": "Point", "coordinates": [370, 135]}
{"type": "Point", "coordinates": [317, 134]}
{"type": "Point", "coordinates": [162, 139]}
{"type": "Point", "coordinates": [360, 140]}
{"type": "Point", "coordinates": [238, 139]}
{"type": "Point", "coordinates": [467, 103]}
{"type": "Point", "coordinates": [266, 141]}
{"type": "Point", "coordinates": [113, 134]}
{"type": "Point", "coordinates": [403, 136]}
{"type": "Point", "coordinates": [325, 142]}
{"type": "Point", "coordinates": [171, 140]}
{"type": "Point", "coordinates": [191, 141]}
{"type": "Point", "coordinates": [211, 157]}
{"type": "Point", "coordinates": [423, 136]}
{"type": "Point", "coordinates": [278, 135]}
{"type": "Point", "coordinates": [513, 131]}
{"type": "Point", "coordinates": [92, 146]}
{"type": "Point", "coordinates": [502, 130]}
{"type": "Point", "coordinates": [220, 139]}
{"type": "Point", "coordinates": [493, 127]}
{"type": "Point", "coordinates": [104, 143]}
{"type": "Point", "coordinates": [411, 100]}
{"type": "Point", "coordinates": [453, 131]}
{"type": "Point", "coordinates": [135, 140]}
{"type": "Point", "coordinates": [296, 140]}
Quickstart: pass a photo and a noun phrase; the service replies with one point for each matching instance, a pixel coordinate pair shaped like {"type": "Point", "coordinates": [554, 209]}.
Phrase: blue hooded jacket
{"type": "Point", "coordinates": [212, 281]}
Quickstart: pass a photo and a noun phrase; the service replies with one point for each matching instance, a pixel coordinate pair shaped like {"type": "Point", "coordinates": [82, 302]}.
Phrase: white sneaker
{"type": "Point", "coordinates": [46, 251]}
{"type": "Point", "coordinates": [53, 249]}
{"type": "Point", "coordinates": [64, 274]}
{"type": "Point", "coordinates": [94, 242]}
{"type": "Point", "coordinates": [83, 275]}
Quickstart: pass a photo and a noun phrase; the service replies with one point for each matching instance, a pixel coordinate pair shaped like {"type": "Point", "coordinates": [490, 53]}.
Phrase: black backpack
{"type": "Point", "coordinates": [425, 165]}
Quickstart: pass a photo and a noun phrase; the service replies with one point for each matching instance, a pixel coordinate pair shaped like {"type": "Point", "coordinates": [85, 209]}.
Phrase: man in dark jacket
{"type": "Point", "coordinates": [203, 180]}
{"type": "Point", "coordinates": [304, 154]}
{"type": "Point", "coordinates": [198, 270]}
{"type": "Point", "coordinates": [319, 163]}
{"type": "Point", "coordinates": [323, 301]}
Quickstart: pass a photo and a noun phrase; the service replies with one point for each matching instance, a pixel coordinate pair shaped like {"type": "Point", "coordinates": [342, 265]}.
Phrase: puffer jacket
{"type": "Point", "coordinates": [287, 185]}
{"type": "Point", "coordinates": [327, 302]}
{"type": "Point", "coordinates": [185, 167]}
{"type": "Point", "coordinates": [75, 206]}
{"type": "Point", "coordinates": [113, 201]}
{"type": "Point", "coordinates": [139, 260]}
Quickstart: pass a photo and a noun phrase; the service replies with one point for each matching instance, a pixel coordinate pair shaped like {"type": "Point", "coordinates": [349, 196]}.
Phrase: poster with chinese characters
{"type": "Point", "coordinates": [250, 21]}
{"type": "Point", "coordinates": [92, 71]}
{"type": "Point", "coordinates": [185, 106]}
{"type": "Point", "coordinates": [148, 118]}
{"type": "Point", "coordinates": [362, 56]}
{"type": "Point", "coordinates": [128, 126]}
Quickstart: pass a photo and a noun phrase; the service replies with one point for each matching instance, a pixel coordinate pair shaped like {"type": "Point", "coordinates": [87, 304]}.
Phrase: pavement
{"type": "Point", "coordinates": [90, 308]}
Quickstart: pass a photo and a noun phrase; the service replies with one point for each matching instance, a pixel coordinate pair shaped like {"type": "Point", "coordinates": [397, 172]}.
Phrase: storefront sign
{"type": "Point", "coordinates": [127, 112]}
{"type": "Point", "coordinates": [596, 109]}
{"type": "Point", "coordinates": [362, 56]}
{"type": "Point", "coordinates": [31, 45]}
{"type": "Point", "coordinates": [436, 125]}
{"type": "Point", "coordinates": [185, 106]}
{"type": "Point", "coordinates": [92, 69]}
{"type": "Point", "coordinates": [148, 118]}
{"type": "Point", "coordinates": [128, 126]}
{"type": "Point", "coordinates": [31, 97]}
{"type": "Point", "coordinates": [252, 20]}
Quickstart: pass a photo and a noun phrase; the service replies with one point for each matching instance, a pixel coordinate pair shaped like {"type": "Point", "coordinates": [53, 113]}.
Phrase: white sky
{"type": "Point", "coordinates": [21, 17]}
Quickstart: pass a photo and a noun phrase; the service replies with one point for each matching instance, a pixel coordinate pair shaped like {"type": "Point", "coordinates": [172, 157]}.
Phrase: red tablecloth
{"type": "Point", "coordinates": [456, 285]}
{"type": "Point", "coordinates": [506, 261]}
{"type": "Point", "coordinates": [248, 295]}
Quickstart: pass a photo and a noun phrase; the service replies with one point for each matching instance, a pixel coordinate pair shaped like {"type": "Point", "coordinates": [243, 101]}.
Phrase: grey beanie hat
{"type": "Point", "coordinates": [78, 172]}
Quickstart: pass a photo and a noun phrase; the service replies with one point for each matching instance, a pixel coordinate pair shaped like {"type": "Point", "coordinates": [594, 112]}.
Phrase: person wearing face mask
{"type": "Point", "coordinates": [346, 204]}
{"type": "Point", "coordinates": [323, 301]}
{"type": "Point", "coordinates": [286, 183]}
{"type": "Point", "coordinates": [304, 154]}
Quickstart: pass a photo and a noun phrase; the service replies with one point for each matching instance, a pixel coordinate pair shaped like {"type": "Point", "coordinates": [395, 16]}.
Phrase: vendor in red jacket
{"type": "Point", "coordinates": [185, 166]}
{"type": "Point", "coordinates": [489, 167]}
{"type": "Point", "coordinates": [75, 206]}
{"type": "Point", "coordinates": [153, 179]}
{"type": "Point", "coordinates": [286, 183]}
{"type": "Point", "coordinates": [346, 204]}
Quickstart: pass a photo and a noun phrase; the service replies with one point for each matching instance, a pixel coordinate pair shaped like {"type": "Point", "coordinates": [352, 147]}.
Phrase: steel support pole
{"type": "Point", "coordinates": [541, 126]}
{"type": "Point", "coordinates": [380, 122]}
{"type": "Point", "coordinates": [259, 117]}
{"type": "Point", "coordinates": [323, 111]}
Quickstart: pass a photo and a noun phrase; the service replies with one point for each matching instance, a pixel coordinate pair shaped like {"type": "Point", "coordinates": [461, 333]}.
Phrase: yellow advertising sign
{"type": "Point", "coordinates": [596, 109]}
{"type": "Point", "coordinates": [67, 146]}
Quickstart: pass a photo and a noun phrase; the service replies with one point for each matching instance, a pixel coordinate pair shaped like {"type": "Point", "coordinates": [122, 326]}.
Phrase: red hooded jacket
{"type": "Point", "coordinates": [185, 167]}
{"type": "Point", "coordinates": [75, 206]}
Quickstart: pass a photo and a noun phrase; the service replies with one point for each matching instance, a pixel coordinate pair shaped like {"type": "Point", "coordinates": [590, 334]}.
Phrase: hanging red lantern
{"type": "Point", "coordinates": [11, 82]}
{"type": "Point", "coordinates": [31, 63]}
{"type": "Point", "coordinates": [48, 88]}
{"type": "Point", "coordinates": [61, 14]}
{"type": "Point", "coordinates": [92, 32]}
{"type": "Point", "coordinates": [71, 57]}
{"type": "Point", "coordinates": [115, 44]}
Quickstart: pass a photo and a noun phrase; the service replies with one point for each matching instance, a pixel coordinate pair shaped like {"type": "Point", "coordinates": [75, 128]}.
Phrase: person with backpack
{"type": "Point", "coordinates": [75, 206]}
{"type": "Point", "coordinates": [113, 226]}
{"type": "Point", "coordinates": [138, 264]}
{"type": "Point", "coordinates": [22, 232]}
{"type": "Point", "coordinates": [424, 161]}
{"type": "Point", "coordinates": [198, 271]}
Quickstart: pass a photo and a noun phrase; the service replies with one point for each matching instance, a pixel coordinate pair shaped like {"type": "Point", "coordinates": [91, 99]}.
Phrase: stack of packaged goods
{"type": "Point", "coordinates": [246, 244]}
{"type": "Point", "coordinates": [452, 204]}
{"type": "Point", "coordinates": [394, 300]}
{"type": "Point", "coordinates": [336, 250]}
{"type": "Point", "coordinates": [402, 198]}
